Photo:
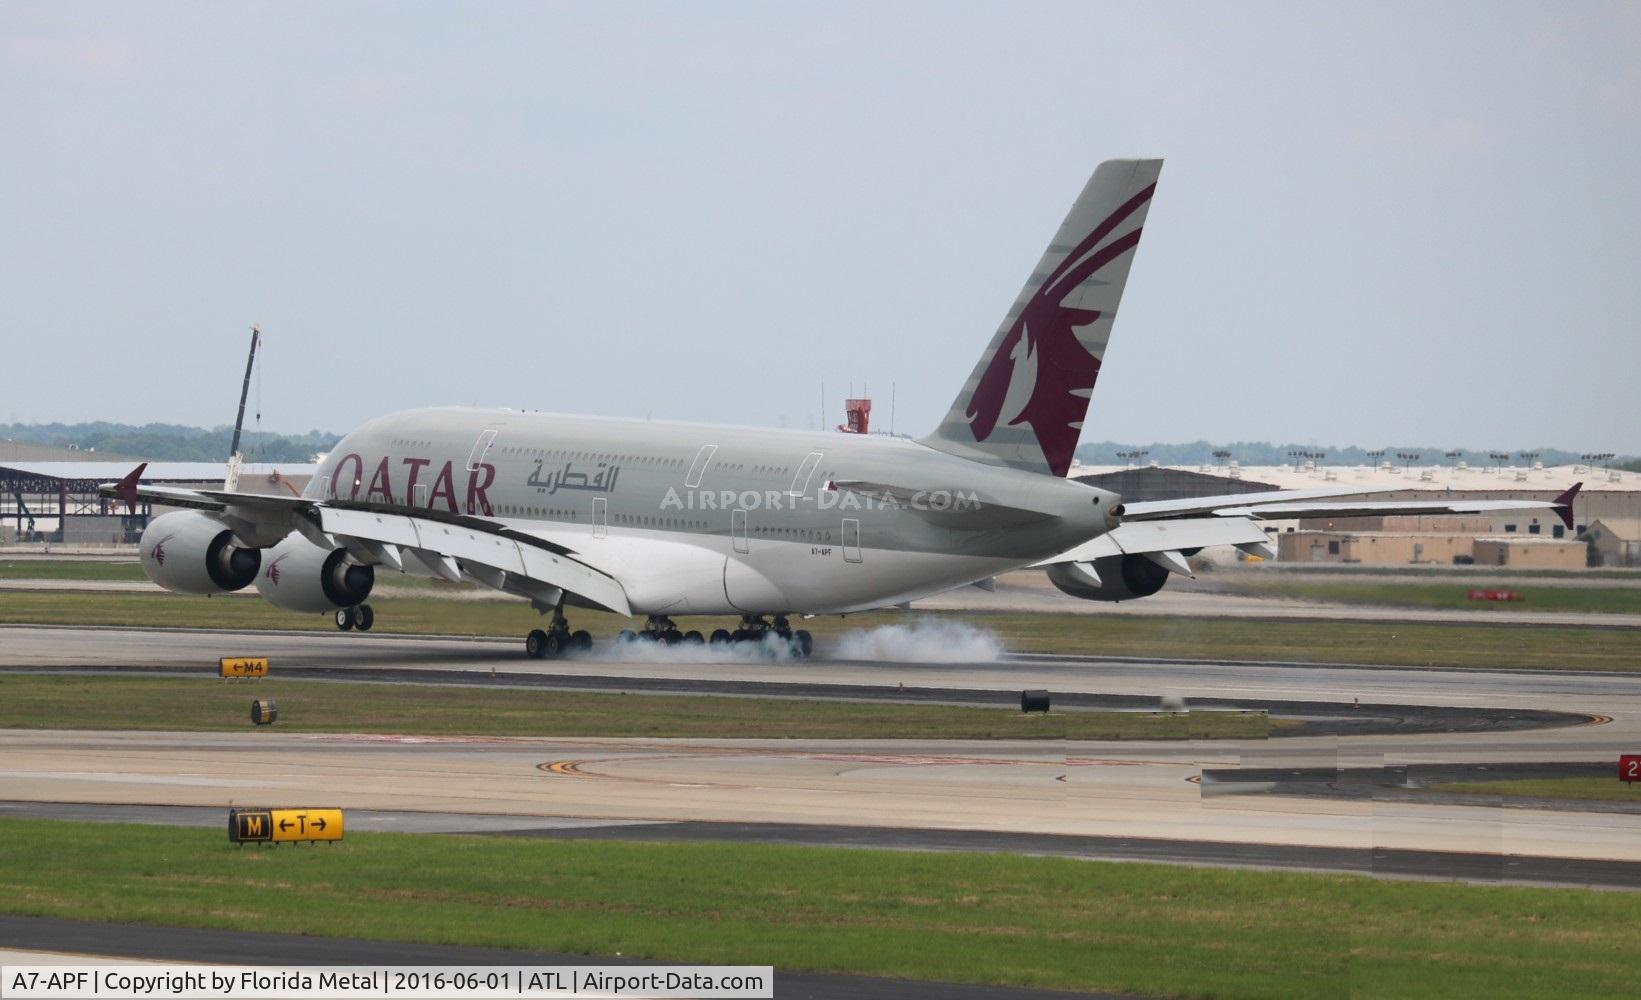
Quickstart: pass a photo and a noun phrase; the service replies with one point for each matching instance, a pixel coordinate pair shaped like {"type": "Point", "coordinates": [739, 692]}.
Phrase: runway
{"type": "Point", "coordinates": [1108, 794]}
{"type": "Point", "coordinates": [1031, 592]}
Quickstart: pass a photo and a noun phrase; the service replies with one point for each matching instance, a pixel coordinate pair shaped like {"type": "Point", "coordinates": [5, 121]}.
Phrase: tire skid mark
{"type": "Point", "coordinates": [582, 767]}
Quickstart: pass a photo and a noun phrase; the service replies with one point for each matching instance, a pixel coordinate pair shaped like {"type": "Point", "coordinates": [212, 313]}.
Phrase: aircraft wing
{"type": "Point", "coordinates": [451, 546]}
{"type": "Point", "coordinates": [1282, 505]}
{"type": "Point", "coordinates": [1157, 510]}
{"type": "Point", "coordinates": [1165, 531]}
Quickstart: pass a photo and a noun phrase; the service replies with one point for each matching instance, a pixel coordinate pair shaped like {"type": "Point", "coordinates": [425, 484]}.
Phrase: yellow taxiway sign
{"type": "Point", "coordinates": [279, 826]}
{"type": "Point", "coordinates": [243, 666]}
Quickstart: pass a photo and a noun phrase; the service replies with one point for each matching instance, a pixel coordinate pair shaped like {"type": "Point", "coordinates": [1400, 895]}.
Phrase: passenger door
{"type": "Point", "coordinates": [481, 449]}
{"type": "Point", "coordinates": [806, 472]}
{"type": "Point", "coordinates": [851, 540]}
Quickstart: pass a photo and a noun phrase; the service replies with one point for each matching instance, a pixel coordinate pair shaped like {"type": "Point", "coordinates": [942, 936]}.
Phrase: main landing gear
{"type": "Point", "coordinates": [557, 640]}
{"type": "Point", "coordinates": [754, 629]}
{"type": "Point", "coordinates": [660, 629]}
{"type": "Point", "coordinates": [361, 618]}
{"type": "Point", "coordinates": [774, 634]}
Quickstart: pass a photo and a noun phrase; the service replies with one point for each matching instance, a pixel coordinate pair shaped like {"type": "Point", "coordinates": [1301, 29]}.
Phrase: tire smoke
{"type": "Point", "coordinates": [771, 649]}
{"type": "Point", "coordinates": [934, 641]}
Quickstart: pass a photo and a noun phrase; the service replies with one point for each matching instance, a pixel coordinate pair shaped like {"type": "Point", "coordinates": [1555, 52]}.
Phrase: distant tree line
{"type": "Point", "coordinates": [1266, 453]}
{"type": "Point", "coordinates": [172, 442]}
{"type": "Point", "coordinates": [176, 443]}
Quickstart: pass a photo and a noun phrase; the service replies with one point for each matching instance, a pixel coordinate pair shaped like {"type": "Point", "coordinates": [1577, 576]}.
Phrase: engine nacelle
{"type": "Point", "coordinates": [191, 552]}
{"type": "Point", "coordinates": [301, 576]}
{"type": "Point", "coordinates": [1122, 578]}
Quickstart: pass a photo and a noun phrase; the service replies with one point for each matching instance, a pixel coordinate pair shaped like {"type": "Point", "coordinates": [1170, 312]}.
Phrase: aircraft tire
{"type": "Point", "coordinates": [535, 644]}
{"type": "Point", "coordinates": [553, 647]}
{"type": "Point", "coordinates": [802, 643]}
{"type": "Point", "coordinates": [582, 640]}
{"type": "Point", "coordinates": [367, 618]}
{"type": "Point", "coordinates": [344, 619]}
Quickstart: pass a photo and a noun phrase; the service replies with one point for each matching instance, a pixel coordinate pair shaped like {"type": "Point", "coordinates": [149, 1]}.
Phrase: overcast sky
{"type": "Point", "coordinates": [1376, 223]}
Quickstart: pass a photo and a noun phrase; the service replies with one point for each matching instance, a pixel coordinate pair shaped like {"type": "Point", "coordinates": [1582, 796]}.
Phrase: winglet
{"type": "Point", "coordinates": [1564, 505]}
{"type": "Point", "coordinates": [126, 489]}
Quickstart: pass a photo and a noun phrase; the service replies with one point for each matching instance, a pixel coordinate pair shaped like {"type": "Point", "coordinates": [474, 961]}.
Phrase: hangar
{"type": "Point", "coordinates": [56, 501]}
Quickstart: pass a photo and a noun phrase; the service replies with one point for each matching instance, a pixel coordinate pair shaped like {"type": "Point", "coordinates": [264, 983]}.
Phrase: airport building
{"type": "Point", "coordinates": [1606, 515]}
{"type": "Point", "coordinates": [1617, 541]}
{"type": "Point", "coordinates": [56, 501]}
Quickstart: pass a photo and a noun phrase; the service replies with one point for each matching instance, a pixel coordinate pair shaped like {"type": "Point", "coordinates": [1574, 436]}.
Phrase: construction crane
{"type": "Point", "coordinates": [235, 458]}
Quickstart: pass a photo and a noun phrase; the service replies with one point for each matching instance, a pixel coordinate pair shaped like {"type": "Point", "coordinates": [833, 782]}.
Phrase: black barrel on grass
{"type": "Point", "coordinates": [1033, 701]}
{"type": "Point", "coordinates": [264, 711]}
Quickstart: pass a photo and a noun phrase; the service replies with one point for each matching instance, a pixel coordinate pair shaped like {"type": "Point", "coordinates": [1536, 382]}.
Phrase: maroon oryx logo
{"type": "Point", "coordinates": [157, 553]}
{"type": "Point", "coordinates": [273, 571]}
{"type": "Point", "coordinates": [1056, 372]}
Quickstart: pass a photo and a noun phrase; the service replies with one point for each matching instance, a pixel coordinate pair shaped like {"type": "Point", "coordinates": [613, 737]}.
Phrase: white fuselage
{"type": "Point", "coordinates": [697, 519]}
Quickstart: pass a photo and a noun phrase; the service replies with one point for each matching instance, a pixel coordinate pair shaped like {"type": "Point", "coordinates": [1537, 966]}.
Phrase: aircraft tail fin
{"type": "Point", "coordinates": [1023, 407]}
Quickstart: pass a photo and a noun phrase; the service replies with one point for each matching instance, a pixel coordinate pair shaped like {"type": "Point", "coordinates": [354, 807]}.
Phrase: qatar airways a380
{"type": "Point", "coordinates": [661, 519]}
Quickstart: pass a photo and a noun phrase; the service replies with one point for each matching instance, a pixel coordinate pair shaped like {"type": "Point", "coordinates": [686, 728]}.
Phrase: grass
{"type": "Point", "coordinates": [1043, 922]}
{"type": "Point", "coordinates": [1424, 644]}
{"type": "Point", "coordinates": [70, 569]}
{"type": "Point", "coordinates": [207, 704]}
{"type": "Point", "coordinates": [1587, 789]}
{"type": "Point", "coordinates": [1451, 595]}
{"type": "Point", "coordinates": [96, 571]}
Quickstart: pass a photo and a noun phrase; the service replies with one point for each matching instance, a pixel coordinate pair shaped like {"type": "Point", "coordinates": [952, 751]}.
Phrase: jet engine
{"type": "Point", "coordinates": [191, 552]}
{"type": "Point", "coordinates": [1119, 578]}
{"type": "Point", "coordinates": [301, 576]}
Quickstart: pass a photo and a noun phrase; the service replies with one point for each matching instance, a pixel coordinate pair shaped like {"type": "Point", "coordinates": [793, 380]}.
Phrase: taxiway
{"type": "Point", "coordinates": [1089, 799]}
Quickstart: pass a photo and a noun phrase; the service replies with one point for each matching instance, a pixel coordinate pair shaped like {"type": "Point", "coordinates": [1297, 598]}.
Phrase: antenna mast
{"type": "Point", "coordinates": [231, 481]}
